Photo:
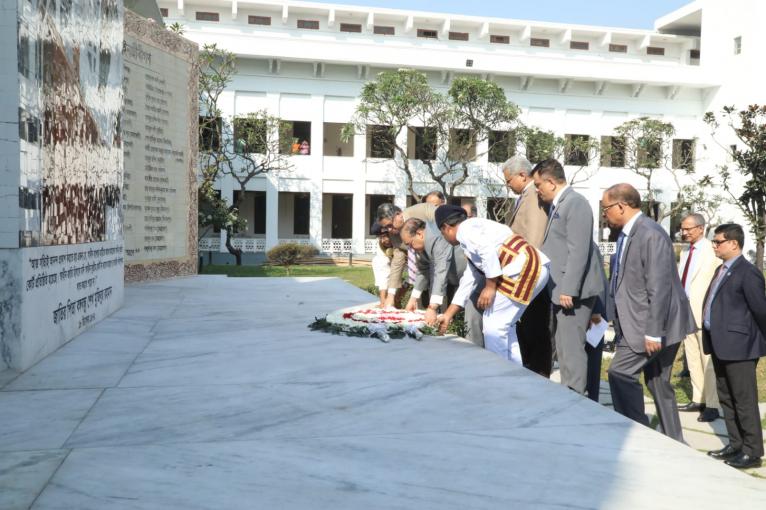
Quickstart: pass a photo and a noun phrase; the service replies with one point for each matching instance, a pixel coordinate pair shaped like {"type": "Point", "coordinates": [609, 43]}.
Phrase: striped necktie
{"type": "Point", "coordinates": [412, 266]}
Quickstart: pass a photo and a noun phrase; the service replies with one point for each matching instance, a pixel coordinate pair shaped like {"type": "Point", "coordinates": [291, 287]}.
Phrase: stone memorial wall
{"type": "Point", "coordinates": [160, 139]}
{"type": "Point", "coordinates": [61, 170]}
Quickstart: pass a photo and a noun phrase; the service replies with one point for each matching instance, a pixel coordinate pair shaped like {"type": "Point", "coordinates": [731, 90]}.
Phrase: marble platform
{"type": "Point", "coordinates": [211, 393]}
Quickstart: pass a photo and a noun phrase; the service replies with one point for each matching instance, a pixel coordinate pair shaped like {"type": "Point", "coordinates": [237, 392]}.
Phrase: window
{"type": "Point", "coordinates": [579, 45]}
{"type": "Point", "coordinates": [333, 143]}
{"type": "Point", "coordinates": [575, 151]}
{"type": "Point", "coordinates": [502, 145]}
{"type": "Point", "coordinates": [422, 143]}
{"type": "Point", "coordinates": [613, 151]}
{"type": "Point", "coordinates": [428, 34]}
{"type": "Point", "coordinates": [540, 43]}
{"type": "Point", "coordinates": [250, 136]}
{"type": "Point", "coordinates": [308, 24]}
{"type": "Point", "coordinates": [259, 212]}
{"type": "Point", "coordinates": [351, 27]}
{"type": "Point", "coordinates": [301, 213]}
{"type": "Point", "coordinates": [209, 133]}
{"type": "Point", "coordinates": [462, 145]}
{"type": "Point", "coordinates": [380, 142]}
{"type": "Point", "coordinates": [649, 154]}
{"type": "Point", "coordinates": [654, 50]}
{"type": "Point", "coordinates": [164, 12]}
{"type": "Point", "coordinates": [295, 137]}
{"type": "Point", "coordinates": [259, 20]}
{"type": "Point", "coordinates": [206, 16]}
{"type": "Point", "coordinates": [499, 39]}
{"type": "Point", "coordinates": [458, 36]}
{"type": "Point", "coordinates": [683, 154]}
{"type": "Point", "coordinates": [738, 45]}
{"type": "Point", "coordinates": [694, 54]}
{"type": "Point", "coordinates": [618, 48]}
{"type": "Point", "coordinates": [381, 30]}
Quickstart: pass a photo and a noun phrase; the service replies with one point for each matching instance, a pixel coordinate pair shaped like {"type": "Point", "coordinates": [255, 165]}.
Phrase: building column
{"type": "Point", "coordinates": [227, 194]}
{"type": "Point", "coordinates": [317, 170]}
{"type": "Point", "coordinates": [481, 205]}
{"type": "Point", "coordinates": [272, 211]}
{"type": "Point", "coordinates": [358, 227]}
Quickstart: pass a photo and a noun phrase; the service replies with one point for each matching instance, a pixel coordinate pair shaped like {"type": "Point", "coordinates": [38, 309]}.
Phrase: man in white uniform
{"type": "Point", "coordinates": [514, 270]}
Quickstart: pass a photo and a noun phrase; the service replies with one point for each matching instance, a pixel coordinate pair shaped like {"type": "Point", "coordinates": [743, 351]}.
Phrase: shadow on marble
{"type": "Point", "coordinates": [595, 466]}
{"type": "Point", "coordinates": [72, 370]}
{"type": "Point", "coordinates": [40, 420]}
{"type": "Point", "coordinates": [8, 375]}
{"type": "Point", "coordinates": [23, 475]}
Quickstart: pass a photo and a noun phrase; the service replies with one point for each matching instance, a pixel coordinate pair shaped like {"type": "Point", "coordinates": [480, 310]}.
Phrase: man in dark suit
{"type": "Point", "coordinates": [576, 273]}
{"type": "Point", "coordinates": [650, 310]}
{"type": "Point", "coordinates": [529, 218]}
{"type": "Point", "coordinates": [734, 334]}
{"type": "Point", "coordinates": [441, 265]}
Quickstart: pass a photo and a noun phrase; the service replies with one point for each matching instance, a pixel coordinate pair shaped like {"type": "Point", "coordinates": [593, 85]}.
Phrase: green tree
{"type": "Point", "coordinates": [645, 149]}
{"type": "Point", "coordinates": [241, 147]}
{"type": "Point", "coordinates": [575, 151]}
{"type": "Point", "coordinates": [448, 128]}
{"type": "Point", "coordinates": [749, 157]}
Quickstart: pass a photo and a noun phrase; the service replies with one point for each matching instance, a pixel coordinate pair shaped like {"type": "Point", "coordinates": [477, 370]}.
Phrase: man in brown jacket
{"type": "Point", "coordinates": [529, 218]}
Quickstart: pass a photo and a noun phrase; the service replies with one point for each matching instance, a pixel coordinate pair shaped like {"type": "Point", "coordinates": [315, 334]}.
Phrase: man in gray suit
{"type": "Point", "coordinates": [442, 264]}
{"type": "Point", "coordinates": [577, 276]}
{"type": "Point", "coordinates": [650, 310]}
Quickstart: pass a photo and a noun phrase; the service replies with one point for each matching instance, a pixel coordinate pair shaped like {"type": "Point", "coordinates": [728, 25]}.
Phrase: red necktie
{"type": "Point", "coordinates": [686, 266]}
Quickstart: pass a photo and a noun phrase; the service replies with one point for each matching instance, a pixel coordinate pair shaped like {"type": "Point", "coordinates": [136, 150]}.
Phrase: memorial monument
{"type": "Point", "coordinates": [160, 136]}
{"type": "Point", "coordinates": [61, 170]}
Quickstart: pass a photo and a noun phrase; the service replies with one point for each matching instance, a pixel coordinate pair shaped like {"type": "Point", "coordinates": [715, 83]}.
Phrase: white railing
{"type": "Point", "coordinates": [301, 241]}
{"type": "Point", "coordinates": [337, 245]}
{"type": "Point", "coordinates": [210, 244]}
{"type": "Point", "coordinates": [371, 246]}
{"type": "Point", "coordinates": [249, 244]}
{"type": "Point", "coordinates": [607, 248]}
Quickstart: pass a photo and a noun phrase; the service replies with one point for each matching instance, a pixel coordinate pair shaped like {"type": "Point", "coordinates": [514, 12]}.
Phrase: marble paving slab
{"type": "Point", "coordinates": [211, 393]}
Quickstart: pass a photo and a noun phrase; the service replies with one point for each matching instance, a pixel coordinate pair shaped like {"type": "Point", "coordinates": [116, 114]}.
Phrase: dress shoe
{"type": "Point", "coordinates": [727, 452]}
{"type": "Point", "coordinates": [744, 461]}
{"type": "Point", "coordinates": [709, 414]}
{"type": "Point", "coordinates": [691, 407]}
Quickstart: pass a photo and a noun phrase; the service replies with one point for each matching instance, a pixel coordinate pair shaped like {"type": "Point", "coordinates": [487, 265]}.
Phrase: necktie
{"type": "Point", "coordinates": [412, 266]}
{"type": "Point", "coordinates": [617, 262]}
{"type": "Point", "coordinates": [686, 266]}
{"type": "Point", "coordinates": [517, 204]}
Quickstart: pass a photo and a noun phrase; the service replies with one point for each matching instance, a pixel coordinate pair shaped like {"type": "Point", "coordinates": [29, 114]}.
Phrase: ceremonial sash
{"type": "Point", "coordinates": [521, 287]}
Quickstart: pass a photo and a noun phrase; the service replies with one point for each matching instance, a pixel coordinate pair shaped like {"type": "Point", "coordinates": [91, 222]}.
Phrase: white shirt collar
{"type": "Point", "coordinates": [558, 196]}
{"type": "Point", "coordinates": [629, 225]}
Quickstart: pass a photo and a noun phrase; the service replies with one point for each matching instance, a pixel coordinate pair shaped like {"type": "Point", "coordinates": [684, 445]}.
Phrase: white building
{"type": "Point", "coordinates": [306, 62]}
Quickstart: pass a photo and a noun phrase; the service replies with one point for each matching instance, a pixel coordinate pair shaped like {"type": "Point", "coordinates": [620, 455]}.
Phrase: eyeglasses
{"type": "Point", "coordinates": [605, 208]}
{"type": "Point", "coordinates": [689, 229]}
{"type": "Point", "coordinates": [719, 242]}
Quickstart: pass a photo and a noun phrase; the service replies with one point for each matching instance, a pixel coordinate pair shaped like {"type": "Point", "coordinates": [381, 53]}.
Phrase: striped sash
{"type": "Point", "coordinates": [520, 288]}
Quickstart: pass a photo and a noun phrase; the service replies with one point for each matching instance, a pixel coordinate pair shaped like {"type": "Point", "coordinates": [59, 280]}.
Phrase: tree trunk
{"type": "Point", "coordinates": [234, 251]}
{"type": "Point", "coordinates": [759, 254]}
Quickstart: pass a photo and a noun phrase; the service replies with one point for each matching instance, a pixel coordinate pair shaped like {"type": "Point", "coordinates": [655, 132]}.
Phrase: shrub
{"type": "Point", "coordinates": [290, 254]}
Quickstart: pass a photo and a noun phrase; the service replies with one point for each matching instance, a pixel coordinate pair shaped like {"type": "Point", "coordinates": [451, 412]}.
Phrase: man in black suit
{"type": "Point", "coordinates": [734, 334]}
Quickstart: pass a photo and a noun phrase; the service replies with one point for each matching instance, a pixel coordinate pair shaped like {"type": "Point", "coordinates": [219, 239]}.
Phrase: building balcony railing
{"type": "Point", "coordinates": [370, 245]}
{"type": "Point", "coordinates": [258, 245]}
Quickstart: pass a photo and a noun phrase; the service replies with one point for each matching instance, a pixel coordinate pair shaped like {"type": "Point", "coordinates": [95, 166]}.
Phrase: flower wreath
{"type": "Point", "coordinates": [369, 321]}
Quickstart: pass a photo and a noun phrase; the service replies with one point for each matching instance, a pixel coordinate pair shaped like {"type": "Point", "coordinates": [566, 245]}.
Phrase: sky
{"type": "Point", "coordinates": [615, 13]}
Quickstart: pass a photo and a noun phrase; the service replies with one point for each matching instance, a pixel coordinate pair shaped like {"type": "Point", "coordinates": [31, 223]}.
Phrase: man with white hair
{"type": "Point", "coordinates": [528, 218]}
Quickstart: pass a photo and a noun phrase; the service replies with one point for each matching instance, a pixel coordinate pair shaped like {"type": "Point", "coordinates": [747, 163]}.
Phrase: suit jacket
{"type": "Point", "coordinates": [576, 266]}
{"type": "Point", "coordinates": [737, 315]}
{"type": "Point", "coordinates": [649, 300]}
{"type": "Point", "coordinates": [422, 211]}
{"type": "Point", "coordinates": [530, 218]}
{"type": "Point", "coordinates": [699, 278]}
{"type": "Point", "coordinates": [440, 261]}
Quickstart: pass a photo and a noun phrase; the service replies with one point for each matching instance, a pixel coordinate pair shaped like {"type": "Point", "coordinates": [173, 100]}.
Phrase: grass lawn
{"type": "Point", "coordinates": [683, 386]}
{"type": "Point", "coordinates": [360, 276]}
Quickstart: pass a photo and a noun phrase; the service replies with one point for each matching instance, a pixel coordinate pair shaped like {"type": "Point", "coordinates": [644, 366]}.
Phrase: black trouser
{"type": "Point", "coordinates": [593, 386]}
{"type": "Point", "coordinates": [738, 393]}
{"type": "Point", "coordinates": [535, 336]}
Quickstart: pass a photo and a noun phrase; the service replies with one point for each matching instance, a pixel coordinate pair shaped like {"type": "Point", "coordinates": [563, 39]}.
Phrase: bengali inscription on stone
{"type": "Point", "coordinates": [156, 151]}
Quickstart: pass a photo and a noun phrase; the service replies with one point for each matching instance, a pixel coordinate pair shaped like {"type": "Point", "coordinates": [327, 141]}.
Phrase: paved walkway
{"type": "Point", "coordinates": [211, 393]}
